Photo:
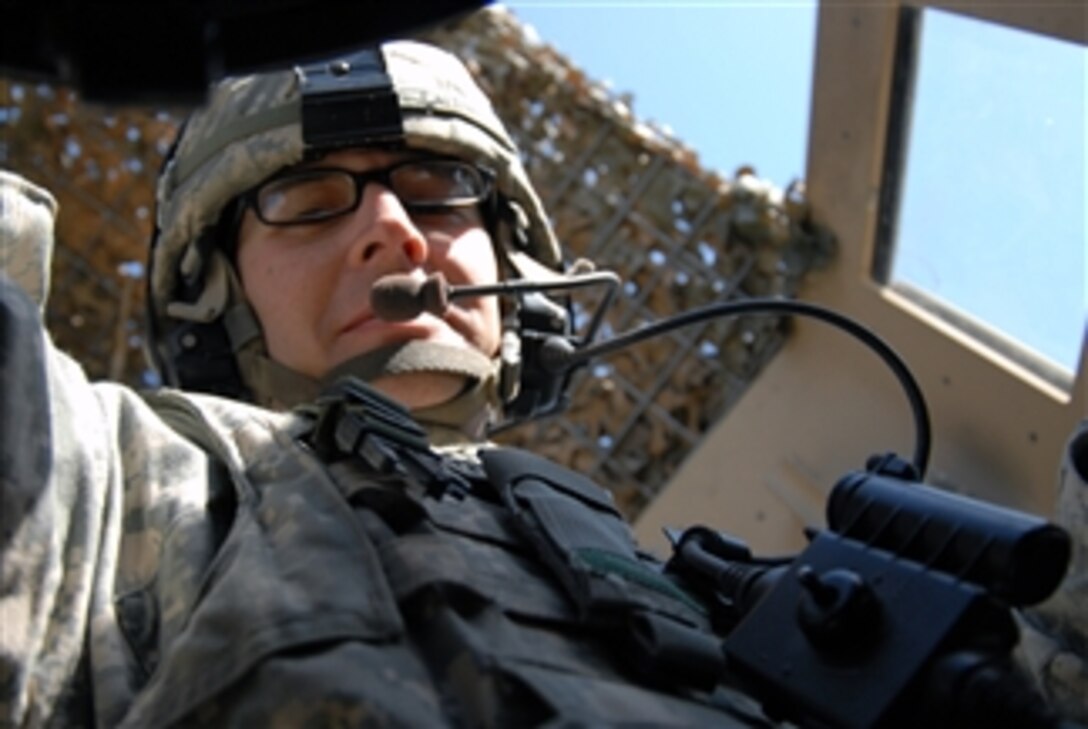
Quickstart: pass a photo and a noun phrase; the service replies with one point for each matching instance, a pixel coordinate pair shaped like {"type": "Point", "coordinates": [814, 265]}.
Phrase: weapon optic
{"type": "Point", "coordinates": [898, 615]}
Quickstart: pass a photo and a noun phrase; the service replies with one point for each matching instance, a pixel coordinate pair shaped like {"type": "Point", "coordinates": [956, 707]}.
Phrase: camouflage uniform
{"type": "Point", "coordinates": [234, 578]}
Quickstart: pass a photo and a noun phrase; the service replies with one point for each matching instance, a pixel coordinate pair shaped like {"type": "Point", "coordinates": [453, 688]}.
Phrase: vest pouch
{"type": "Point", "coordinates": [577, 531]}
{"type": "Point", "coordinates": [518, 585]}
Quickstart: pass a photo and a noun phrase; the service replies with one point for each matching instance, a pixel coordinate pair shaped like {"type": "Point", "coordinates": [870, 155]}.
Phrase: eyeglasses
{"type": "Point", "coordinates": [314, 194]}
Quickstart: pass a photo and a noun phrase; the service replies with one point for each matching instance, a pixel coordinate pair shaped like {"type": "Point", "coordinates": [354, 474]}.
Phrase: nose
{"type": "Point", "coordinates": [382, 232]}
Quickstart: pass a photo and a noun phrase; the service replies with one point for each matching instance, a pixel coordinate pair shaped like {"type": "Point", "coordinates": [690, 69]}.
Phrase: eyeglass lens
{"type": "Point", "coordinates": [314, 194]}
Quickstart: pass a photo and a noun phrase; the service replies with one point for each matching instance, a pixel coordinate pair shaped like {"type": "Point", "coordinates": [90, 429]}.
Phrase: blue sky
{"type": "Point", "coordinates": [1000, 113]}
{"type": "Point", "coordinates": [731, 79]}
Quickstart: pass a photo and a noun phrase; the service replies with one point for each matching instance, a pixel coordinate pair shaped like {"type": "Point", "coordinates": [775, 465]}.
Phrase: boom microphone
{"type": "Point", "coordinates": [400, 297]}
{"type": "Point", "coordinates": [539, 320]}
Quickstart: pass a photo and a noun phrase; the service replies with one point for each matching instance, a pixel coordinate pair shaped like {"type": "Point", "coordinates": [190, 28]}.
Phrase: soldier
{"type": "Point", "coordinates": [308, 528]}
{"type": "Point", "coordinates": [299, 548]}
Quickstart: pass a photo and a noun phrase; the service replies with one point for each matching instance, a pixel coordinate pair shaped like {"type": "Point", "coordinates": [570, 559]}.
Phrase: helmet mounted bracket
{"type": "Point", "coordinates": [349, 102]}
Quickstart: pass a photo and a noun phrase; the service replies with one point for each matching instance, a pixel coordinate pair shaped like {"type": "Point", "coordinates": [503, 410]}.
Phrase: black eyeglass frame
{"type": "Point", "coordinates": [384, 176]}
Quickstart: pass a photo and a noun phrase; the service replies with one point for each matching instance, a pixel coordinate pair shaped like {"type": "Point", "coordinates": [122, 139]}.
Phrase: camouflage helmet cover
{"type": "Point", "coordinates": [252, 128]}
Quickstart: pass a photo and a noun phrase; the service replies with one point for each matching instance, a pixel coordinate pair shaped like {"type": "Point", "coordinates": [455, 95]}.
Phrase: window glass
{"type": "Point", "coordinates": [992, 211]}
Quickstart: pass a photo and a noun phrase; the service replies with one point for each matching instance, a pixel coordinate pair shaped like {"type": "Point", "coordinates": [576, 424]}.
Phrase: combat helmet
{"type": "Point", "coordinates": [204, 336]}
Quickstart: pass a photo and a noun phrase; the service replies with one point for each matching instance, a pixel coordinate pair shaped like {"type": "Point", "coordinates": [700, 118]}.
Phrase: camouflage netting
{"type": "Point", "coordinates": [622, 194]}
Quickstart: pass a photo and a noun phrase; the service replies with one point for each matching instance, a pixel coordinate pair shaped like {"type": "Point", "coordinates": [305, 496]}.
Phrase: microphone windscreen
{"type": "Point", "coordinates": [400, 297]}
{"type": "Point", "coordinates": [435, 294]}
{"type": "Point", "coordinates": [397, 298]}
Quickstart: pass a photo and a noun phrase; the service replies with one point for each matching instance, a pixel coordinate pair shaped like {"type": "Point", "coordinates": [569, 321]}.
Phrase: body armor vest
{"type": "Point", "coordinates": [365, 580]}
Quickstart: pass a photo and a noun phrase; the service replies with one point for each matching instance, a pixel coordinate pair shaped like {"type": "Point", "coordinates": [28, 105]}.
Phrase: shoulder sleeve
{"type": "Point", "coordinates": [46, 522]}
{"type": "Point", "coordinates": [27, 213]}
{"type": "Point", "coordinates": [35, 516]}
{"type": "Point", "coordinates": [88, 477]}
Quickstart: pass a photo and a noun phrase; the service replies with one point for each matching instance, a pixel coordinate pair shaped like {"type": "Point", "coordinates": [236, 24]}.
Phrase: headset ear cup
{"type": "Point", "coordinates": [526, 388]}
{"type": "Point", "coordinates": [540, 390]}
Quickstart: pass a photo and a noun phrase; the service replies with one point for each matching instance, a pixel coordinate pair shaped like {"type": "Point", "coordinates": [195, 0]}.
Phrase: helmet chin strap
{"type": "Point", "coordinates": [466, 414]}
{"type": "Point", "coordinates": [413, 355]}
{"type": "Point", "coordinates": [469, 412]}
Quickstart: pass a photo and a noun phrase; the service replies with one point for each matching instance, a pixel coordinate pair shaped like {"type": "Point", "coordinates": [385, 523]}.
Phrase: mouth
{"type": "Point", "coordinates": [360, 322]}
{"type": "Point", "coordinates": [368, 332]}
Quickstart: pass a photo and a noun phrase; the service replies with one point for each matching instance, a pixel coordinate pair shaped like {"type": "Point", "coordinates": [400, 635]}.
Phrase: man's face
{"type": "Point", "coordinates": [310, 284]}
